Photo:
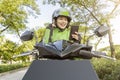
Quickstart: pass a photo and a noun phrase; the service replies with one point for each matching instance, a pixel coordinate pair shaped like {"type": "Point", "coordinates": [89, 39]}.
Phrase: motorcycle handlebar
{"type": "Point", "coordinates": [26, 53]}
{"type": "Point", "coordinates": [95, 54]}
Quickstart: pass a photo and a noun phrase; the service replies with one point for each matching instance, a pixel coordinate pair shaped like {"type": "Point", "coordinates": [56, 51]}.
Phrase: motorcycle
{"type": "Point", "coordinates": [63, 49]}
{"type": "Point", "coordinates": [61, 53]}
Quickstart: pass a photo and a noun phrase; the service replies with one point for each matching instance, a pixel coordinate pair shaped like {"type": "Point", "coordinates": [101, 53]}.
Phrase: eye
{"type": "Point", "coordinates": [65, 19]}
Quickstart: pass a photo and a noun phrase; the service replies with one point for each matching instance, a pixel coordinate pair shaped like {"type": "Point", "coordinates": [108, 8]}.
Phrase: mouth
{"type": "Point", "coordinates": [63, 25]}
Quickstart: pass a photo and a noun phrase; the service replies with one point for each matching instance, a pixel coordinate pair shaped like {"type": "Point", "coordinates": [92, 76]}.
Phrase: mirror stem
{"type": "Point", "coordinates": [88, 39]}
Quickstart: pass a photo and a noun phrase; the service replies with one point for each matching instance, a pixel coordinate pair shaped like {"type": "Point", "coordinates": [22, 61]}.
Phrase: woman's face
{"type": "Point", "coordinates": [62, 22]}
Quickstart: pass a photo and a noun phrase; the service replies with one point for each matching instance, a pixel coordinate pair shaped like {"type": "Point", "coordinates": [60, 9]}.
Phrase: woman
{"type": "Point", "coordinates": [60, 28]}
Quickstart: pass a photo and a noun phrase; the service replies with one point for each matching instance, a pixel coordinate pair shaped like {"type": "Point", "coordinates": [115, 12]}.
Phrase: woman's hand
{"type": "Point", "coordinates": [53, 25]}
{"type": "Point", "coordinates": [75, 36]}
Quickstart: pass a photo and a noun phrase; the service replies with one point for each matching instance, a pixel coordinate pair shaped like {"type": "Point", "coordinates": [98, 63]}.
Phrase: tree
{"type": "Point", "coordinates": [13, 14]}
{"type": "Point", "coordinates": [8, 50]}
{"type": "Point", "coordinates": [2, 42]}
{"type": "Point", "coordinates": [110, 15]}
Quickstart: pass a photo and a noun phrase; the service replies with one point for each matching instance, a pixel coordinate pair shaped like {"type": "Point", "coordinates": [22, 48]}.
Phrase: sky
{"type": "Point", "coordinates": [46, 16]}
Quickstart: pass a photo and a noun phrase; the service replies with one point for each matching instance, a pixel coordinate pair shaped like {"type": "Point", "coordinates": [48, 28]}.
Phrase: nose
{"type": "Point", "coordinates": [64, 20]}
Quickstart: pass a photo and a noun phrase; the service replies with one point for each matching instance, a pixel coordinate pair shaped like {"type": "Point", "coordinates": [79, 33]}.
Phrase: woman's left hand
{"type": "Point", "coordinates": [75, 36]}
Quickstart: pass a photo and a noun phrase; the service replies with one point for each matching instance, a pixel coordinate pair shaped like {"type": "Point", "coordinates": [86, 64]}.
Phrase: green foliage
{"type": "Point", "coordinates": [7, 50]}
{"type": "Point", "coordinates": [14, 14]}
{"type": "Point", "coordinates": [117, 50]}
{"type": "Point", "coordinates": [107, 69]}
{"type": "Point", "coordinates": [40, 33]}
{"type": "Point", "coordinates": [5, 68]}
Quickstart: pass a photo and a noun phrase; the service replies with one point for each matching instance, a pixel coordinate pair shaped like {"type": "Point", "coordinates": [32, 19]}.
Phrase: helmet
{"type": "Point", "coordinates": [61, 12]}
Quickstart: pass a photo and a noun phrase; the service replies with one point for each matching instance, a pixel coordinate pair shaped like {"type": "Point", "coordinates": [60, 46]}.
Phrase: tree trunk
{"type": "Point", "coordinates": [111, 42]}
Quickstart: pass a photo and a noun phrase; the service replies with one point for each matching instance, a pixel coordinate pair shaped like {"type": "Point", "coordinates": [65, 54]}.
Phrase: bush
{"type": "Point", "coordinates": [107, 69]}
{"type": "Point", "coordinates": [117, 55]}
{"type": "Point", "coordinates": [5, 67]}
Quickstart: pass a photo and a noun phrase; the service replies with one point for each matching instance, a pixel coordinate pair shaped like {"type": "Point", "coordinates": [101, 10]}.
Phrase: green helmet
{"type": "Point", "coordinates": [61, 12]}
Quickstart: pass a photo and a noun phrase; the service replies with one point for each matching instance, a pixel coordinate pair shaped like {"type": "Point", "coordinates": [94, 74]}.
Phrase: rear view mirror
{"type": "Point", "coordinates": [101, 31]}
{"type": "Point", "coordinates": [27, 35]}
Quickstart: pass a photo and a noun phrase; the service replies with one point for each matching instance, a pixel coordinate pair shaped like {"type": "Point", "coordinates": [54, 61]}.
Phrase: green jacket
{"type": "Point", "coordinates": [57, 34]}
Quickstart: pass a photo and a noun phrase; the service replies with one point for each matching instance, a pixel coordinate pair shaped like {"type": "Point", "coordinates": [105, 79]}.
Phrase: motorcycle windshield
{"type": "Point", "coordinates": [72, 49]}
{"type": "Point", "coordinates": [63, 48]}
{"type": "Point", "coordinates": [57, 47]}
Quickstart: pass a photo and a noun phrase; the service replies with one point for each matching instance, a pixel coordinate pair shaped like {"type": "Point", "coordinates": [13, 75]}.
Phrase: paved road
{"type": "Point", "coordinates": [14, 75]}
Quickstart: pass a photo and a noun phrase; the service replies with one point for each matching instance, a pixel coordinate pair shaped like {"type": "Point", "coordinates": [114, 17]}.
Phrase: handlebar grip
{"type": "Point", "coordinates": [85, 54]}
{"type": "Point", "coordinates": [88, 54]}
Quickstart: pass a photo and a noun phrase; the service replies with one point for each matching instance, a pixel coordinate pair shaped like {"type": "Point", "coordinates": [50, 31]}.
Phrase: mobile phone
{"type": "Point", "coordinates": [73, 30]}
